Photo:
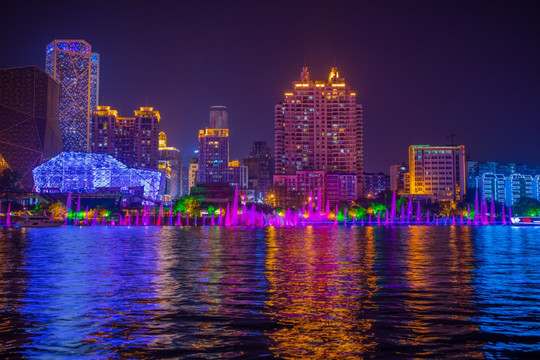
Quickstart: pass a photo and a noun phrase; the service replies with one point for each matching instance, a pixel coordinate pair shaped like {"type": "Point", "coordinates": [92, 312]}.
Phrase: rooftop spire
{"type": "Point", "coordinates": [334, 74]}
{"type": "Point", "coordinates": [304, 76]}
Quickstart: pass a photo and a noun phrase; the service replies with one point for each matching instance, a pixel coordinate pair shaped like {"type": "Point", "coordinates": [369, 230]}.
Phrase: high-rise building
{"type": "Point", "coordinates": [218, 117]}
{"type": "Point", "coordinates": [397, 177]}
{"type": "Point", "coordinates": [73, 65]}
{"type": "Point", "coordinates": [319, 127]}
{"type": "Point", "coordinates": [29, 126]}
{"type": "Point", "coordinates": [147, 130]}
{"type": "Point", "coordinates": [260, 165]}
{"type": "Point", "coordinates": [437, 172]}
{"type": "Point", "coordinates": [213, 155]}
{"type": "Point", "coordinates": [170, 163]}
{"type": "Point", "coordinates": [132, 140]}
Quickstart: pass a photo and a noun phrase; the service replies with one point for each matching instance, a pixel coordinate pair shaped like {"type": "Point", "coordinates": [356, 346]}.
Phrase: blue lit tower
{"type": "Point", "coordinates": [73, 65]}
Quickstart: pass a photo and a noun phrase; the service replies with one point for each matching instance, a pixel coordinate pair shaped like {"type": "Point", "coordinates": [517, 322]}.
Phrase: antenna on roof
{"type": "Point", "coordinates": [334, 61]}
{"type": "Point", "coordinates": [305, 61]}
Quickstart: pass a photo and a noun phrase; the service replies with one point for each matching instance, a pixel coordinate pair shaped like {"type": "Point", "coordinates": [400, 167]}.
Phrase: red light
{"type": "Point", "coordinates": [526, 220]}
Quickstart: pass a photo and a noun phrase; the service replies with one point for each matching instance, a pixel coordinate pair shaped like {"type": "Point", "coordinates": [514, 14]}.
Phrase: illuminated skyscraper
{"type": "Point", "coordinates": [73, 65]}
{"type": "Point", "coordinates": [132, 140]}
{"type": "Point", "coordinates": [218, 117]}
{"type": "Point", "coordinates": [213, 155]}
{"type": "Point", "coordinates": [319, 127]}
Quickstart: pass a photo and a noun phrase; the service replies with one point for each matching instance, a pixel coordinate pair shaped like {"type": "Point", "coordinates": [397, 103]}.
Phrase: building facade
{"type": "Point", "coordinates": [260, 165]}
{"type": "Point", "coordinates": [170, 163]}
{"type": "Point", "coordinates": [218, 117]}
{"type": "Point", "coordinates": [213, 156]}
{"type": "Point", "coordinates": [132, 140]}
{"type": "Point", "coordinates": [193, 169]}
{"type": "Point", "coordinates": [319, 127]}
{"type": "Point", "coordinates": [91, 173]}
{"type": "Point", "coordinates": [76, 68]}
{"type": "Point", "coordinates": [437, 172]}
{"type": "Point", "coordinates": [508, 189]}
{"type": "Point", "coordinates": [476, 169]}
{"type": "Point", "coordinates": [397, 178]}
{"type": "Point", "coordinates": [375, 183]}
{"type": "Point", "coordinates": [29, 121]}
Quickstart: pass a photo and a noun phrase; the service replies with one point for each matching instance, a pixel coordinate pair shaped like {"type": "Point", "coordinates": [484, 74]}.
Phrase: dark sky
{"type": "Point", "coordinates": [423, 70]}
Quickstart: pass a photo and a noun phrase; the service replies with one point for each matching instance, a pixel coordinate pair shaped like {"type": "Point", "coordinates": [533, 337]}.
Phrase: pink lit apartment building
{"type": "Point", "coordinates": [318, 130]}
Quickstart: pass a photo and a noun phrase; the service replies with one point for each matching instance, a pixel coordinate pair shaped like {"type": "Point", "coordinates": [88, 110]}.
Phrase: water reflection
{"type": "Point", "coordinates": [313, 292]}
{"type": "Point", "coordinates": [440, 298]}
{"type": "Point", "coordinates": [320, 291]}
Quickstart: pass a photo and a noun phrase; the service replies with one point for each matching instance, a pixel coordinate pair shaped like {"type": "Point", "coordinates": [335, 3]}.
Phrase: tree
{"type": "Point", "coordinates": [9, 181]}
{"type": "Point", "coordinates": [526, 207]}
{"type": "Point", "coordinates": [188, 204]}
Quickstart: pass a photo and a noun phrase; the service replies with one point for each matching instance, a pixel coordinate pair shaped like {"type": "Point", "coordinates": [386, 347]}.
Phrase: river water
{"type": "Point", "coordinates": [311, 293]}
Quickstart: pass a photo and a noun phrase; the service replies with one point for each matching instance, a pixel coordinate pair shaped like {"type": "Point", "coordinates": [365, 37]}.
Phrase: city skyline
{"type": "Point", "coordinates": [427, 70]}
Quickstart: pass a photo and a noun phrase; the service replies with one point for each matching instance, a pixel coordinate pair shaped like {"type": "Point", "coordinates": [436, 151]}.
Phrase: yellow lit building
{"type": "Point", "coordinates": [437, 172]}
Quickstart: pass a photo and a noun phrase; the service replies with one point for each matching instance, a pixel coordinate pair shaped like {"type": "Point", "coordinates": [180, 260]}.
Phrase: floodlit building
{"type": "Point", "coordinates": [132, 140]}
{"type": "Point", "coordinates": [76, 68]}
{"type": "Point", "coordinates": [29, 124]}
{"type": "Point", "coordinates": [238, 175]}
{"type": "Point", "coordinates": [170, 163]}
{"type": "Point", "coordinates": [92, 173]}
{"type": "Point", "coordinates": [319, 127]}
{"type": "Point", "coordinates": [437, 172]}
{"type": "Point", "coordinates": [213, 155]}
{"type": "Point", "coordinates": [341, 187]}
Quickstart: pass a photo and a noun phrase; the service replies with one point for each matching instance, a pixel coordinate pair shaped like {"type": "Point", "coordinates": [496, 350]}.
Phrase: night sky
{"type": "Point", "coordinates": [423, 70]}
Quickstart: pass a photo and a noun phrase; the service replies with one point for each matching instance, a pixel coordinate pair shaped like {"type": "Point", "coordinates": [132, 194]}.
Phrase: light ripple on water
{"type": "Point", "coordinates": [312, 292]}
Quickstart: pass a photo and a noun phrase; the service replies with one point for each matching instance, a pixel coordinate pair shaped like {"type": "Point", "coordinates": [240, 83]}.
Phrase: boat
{"type": "Point", "coordinates": [29, 220]}
{"type": "Point", "coordinates": [525, 220]}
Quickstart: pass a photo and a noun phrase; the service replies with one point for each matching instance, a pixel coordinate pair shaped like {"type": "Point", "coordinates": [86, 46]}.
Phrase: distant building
{"type": "Point", "coordinates": [375, 183]}
{"type": "Point", "coordinates": [341, 187]}
{"type": "Point", "coordinates": [170, 163]}
{"type": "Point", "coordinates": [260, 165]}
{"type": "Point", "coordinates": [218, 117]}
{"type": "Point", "coordinates": [29, 123]}
{"type": "Point", "coordinates": [238, 175]}
{"type": "Point", "coordinates": [185, 180]}
{"type": "Point", "coordinates": [193, 168]}
{"type": "Point", "coordinates": [437, 172]}
{"type": "Point", "coordinates": [92, 173]}
{"type": "Point", "coordinates": [132, 140]}
{"type": "Point", "coordinates": [508, 189]}
{"type": "Point", "coordinates": [318, 127]}
{"type": "Point", "coordinates": [476, 169]}
{"type": "Point", "coordinates": [397, 177]}
{"type": "Point", "coordinates": [76, 68]}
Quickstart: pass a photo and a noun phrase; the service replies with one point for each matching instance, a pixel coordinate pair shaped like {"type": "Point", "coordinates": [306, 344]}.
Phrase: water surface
{"type": "Point", "coordinates": [312, 292]}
